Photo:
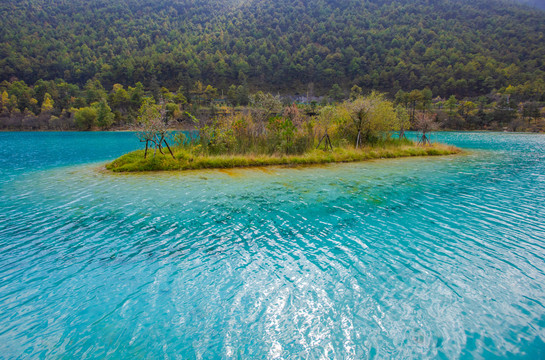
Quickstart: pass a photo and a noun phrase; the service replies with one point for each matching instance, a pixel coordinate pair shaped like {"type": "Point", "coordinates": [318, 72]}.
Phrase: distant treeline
{"type": "Point", "coordinates": [58, 105]}
{"type": "Point", "coordinates": [464, 48]}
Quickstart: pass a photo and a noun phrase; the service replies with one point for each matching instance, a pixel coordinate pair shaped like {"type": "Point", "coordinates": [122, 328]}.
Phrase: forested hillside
{"type": "Point", "coordinates": [462, 48]}
{"type": "Point", "coordinates": [535, 3]}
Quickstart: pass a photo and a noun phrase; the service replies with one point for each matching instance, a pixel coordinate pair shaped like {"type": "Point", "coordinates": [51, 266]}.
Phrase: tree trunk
{"type": "Point", "coordinates": [424, 139]}
{"type": "Point", "coordinates": [168, 147]}
{"type": "Point", "coordinates": [327, 142]}
{"type": "Point", "coordinates": [158, 145]}
{"type": "Point", "coordinates": [358, 139]}
{"type": "Point", "coordinates": [320, 142]}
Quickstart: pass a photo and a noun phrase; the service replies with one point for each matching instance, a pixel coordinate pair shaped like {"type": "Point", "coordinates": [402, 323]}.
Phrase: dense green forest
{"type": "Point", "coordinates": [461, 48]}
{"type": "Point", "coordinates": [67, 64]}
{"type": "Point", "coordinates": [539, 4]}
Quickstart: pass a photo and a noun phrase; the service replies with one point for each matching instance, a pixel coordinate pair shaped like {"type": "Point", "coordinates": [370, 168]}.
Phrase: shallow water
{"type": "Point", "coordinates": [406, 258]}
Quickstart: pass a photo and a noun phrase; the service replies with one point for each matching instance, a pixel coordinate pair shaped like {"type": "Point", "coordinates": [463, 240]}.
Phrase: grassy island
{"type": "Point", "coordinates": [183, 160]}
{"type": "Point", "coordinates": [273, 134]}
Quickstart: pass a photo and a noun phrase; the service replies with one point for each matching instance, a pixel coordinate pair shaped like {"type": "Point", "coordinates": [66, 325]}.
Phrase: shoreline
{"type": "Point", "coordinates": [134, 161]}
{"type": "Point", "coordinates": [121, 130]}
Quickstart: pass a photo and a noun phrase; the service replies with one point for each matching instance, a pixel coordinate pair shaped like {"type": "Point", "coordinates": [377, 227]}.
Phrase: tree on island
{"type": "Point", "coordinates": [358, 110]}
{"type": "Point", "coordinates": [324, 119]}
{"type": "Point", "coordinates": [403, 121]}
{"type": "Point", "coordinates": [152, 127]}
{"type": "Point", "coordinates": [372, 117]}
{"type": "Point", "coordinates": [425, 123]}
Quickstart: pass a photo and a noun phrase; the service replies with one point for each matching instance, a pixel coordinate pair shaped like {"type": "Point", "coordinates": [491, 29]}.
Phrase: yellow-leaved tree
{"type": "Point", "coordinates": [47, 104]}
{"type": "Point", "coordinates": [371, 118]}
{"type": "Point", "coordinates": [4, 101]}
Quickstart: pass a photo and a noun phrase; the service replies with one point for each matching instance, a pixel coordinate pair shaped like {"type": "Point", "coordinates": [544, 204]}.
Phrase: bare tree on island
{"type": "Point", "coordinates": [152, 126]}
{"type": "Point", "coordinates": [324, 119]}
{"type": "Point", "coordinates": [425, 123]}
{"type": "Point", "coordinates": [403, 121]}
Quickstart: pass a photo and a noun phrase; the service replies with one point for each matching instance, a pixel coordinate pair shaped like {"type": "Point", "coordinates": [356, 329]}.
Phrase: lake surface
{"type": "Point", "coordinates": [393, 259]}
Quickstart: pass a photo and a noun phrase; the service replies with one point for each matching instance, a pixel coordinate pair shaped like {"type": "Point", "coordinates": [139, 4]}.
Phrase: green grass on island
{"type": "Point", "coordinates": [185, 160]}
{"type": "Point", "coordinates": [356, 130]}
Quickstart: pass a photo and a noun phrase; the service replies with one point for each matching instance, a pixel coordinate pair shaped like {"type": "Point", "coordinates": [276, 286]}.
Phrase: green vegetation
{"type": "Point", "coordinates": [356, 130]}
{"type": "Point", "coordinates": [135, 161]}
{"type": "Point", "coordinates": [465, 48]}
{"type": "Point", "coordinates": [85, 65]}
{"type": "Point", "coordinates": [56, 105]}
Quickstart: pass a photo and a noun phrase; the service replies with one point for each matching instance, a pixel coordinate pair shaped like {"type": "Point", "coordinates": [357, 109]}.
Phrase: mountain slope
{"type": "Point", "coordinates": [540, 4]}
{"type": "Point", "coordinates": [453, 47]}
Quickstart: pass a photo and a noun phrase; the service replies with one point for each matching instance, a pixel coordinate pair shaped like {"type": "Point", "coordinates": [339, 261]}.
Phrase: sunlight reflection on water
{"type": "Point", "coordinates": [405, 258]}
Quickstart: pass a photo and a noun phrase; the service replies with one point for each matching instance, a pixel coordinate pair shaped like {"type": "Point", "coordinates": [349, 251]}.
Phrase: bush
{"type": "Point", "coordinates": [85, 118]}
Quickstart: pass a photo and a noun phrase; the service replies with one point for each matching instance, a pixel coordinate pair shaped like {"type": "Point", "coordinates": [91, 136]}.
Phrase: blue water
{"type": "Point", "coordinates": [418, 258]}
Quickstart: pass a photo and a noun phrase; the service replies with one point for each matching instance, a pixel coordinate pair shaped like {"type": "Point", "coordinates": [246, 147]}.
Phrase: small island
{"type": "Point", "coordinates": [363, 128]}
{"type": "Point", "coordinates": [135, 161]}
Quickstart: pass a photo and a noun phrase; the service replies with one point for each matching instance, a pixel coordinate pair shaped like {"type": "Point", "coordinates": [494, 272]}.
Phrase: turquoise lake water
{"type": "Point", "coordinates": [420, 258]}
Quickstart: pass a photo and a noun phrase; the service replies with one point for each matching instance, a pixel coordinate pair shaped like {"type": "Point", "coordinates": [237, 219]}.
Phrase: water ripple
{"type": "Point", "coordinates": [412, 258]}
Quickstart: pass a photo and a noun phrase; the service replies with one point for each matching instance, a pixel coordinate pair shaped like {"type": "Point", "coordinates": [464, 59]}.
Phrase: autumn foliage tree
{"type": "Point", "coordinates": [371, 118]}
